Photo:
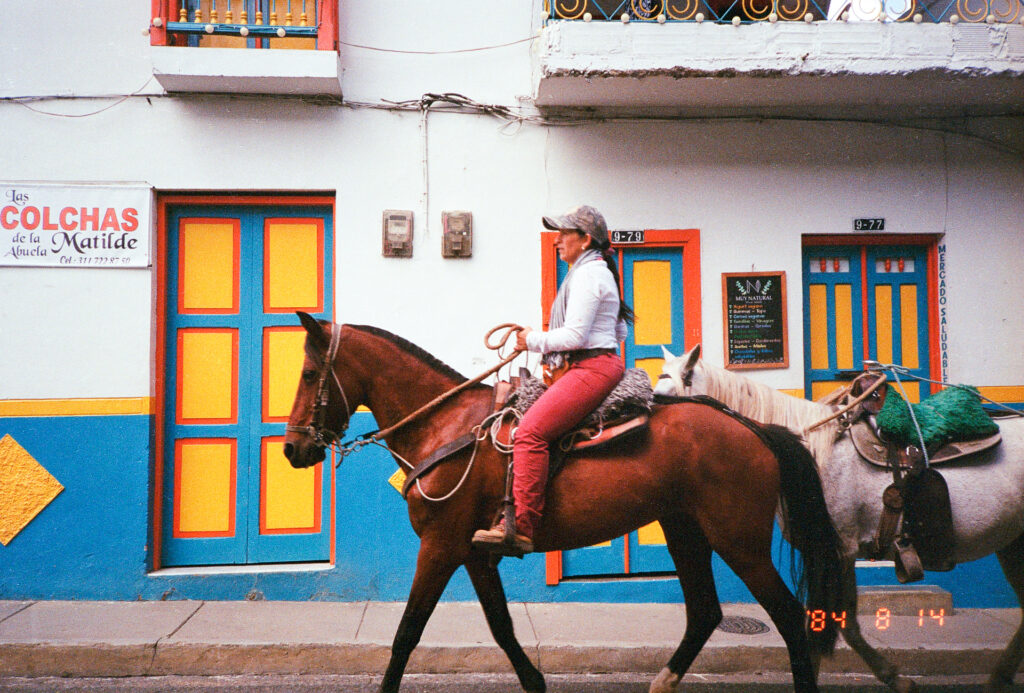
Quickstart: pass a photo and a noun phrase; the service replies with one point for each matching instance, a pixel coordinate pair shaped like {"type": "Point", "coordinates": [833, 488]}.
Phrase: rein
{"type": "Point", "coordinates": [324, 437]}
{"type": "Point", "coordinates": [860, 398]}
{"type": "Point", "coordinates": [510, 329]}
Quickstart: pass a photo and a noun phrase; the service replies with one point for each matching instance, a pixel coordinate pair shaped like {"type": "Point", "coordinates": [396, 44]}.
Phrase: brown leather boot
{"type": "Point", "coordinates": [495, 540]}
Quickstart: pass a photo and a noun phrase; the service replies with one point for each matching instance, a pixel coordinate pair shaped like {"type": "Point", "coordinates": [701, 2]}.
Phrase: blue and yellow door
{"type": "Point", "coordinates": [232, 354]}
{"type": "Point", "coordinates": [661, 281]}
{"type": "Point", "coordinates": [867, 299]}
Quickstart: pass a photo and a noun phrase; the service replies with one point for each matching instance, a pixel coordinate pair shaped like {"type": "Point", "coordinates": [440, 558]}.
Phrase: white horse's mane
{"type": "Point", "coordinates": [767, 405]}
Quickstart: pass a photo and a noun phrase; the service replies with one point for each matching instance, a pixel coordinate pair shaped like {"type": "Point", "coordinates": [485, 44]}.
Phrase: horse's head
{"type": "Point", "coordinates": [680, 375]}
{"type": "Point", "coordinates": [322, 408]}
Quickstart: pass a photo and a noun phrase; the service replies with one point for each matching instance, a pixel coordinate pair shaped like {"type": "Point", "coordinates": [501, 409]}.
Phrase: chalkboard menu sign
{"type": "Point", "coordinates": [754, 307]}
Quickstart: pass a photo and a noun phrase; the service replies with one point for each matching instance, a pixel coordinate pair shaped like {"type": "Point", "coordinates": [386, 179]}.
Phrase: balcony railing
{"type": "Point", "coordinates": [745, 11]}
{"type": "Point", "coordinates": [246, 23]}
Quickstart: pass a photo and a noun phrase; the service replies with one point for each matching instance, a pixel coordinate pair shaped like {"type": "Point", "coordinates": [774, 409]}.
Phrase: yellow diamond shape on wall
{"type": "Point", "coordinates": [25, 488]}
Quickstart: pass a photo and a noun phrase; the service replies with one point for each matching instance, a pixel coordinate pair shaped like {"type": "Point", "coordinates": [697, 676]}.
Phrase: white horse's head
{"type": "Point", "coordinates": [681, 376]}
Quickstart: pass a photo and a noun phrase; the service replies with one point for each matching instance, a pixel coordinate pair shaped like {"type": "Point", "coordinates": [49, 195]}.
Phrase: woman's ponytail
{"type": "Point", "coordinates": [626, 313]}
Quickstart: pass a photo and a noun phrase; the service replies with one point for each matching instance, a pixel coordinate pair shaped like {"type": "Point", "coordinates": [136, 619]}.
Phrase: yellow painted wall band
{"type": "Point", "coordinates": [143, 406]}
{"type": "Point", "coordinates": [113, 406]}
{"type": "Point", "coordinates": [1003, 393]}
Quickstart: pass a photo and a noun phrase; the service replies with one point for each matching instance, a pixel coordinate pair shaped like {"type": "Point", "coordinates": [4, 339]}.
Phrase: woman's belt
{"type": "Point", "coordinates": [583, 354]}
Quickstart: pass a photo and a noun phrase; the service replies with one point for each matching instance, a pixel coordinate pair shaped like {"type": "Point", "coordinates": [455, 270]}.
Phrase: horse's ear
{"type": "Point", "coordinates": [668, 355]}
{"type": "Point", "coordinates": [314, 328]}
{"type": "Point", "coordinates": [692, 357]}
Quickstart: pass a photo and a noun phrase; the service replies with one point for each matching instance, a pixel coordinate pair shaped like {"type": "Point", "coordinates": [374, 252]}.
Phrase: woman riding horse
{"type": "Point", "coordinates": [588, 320]}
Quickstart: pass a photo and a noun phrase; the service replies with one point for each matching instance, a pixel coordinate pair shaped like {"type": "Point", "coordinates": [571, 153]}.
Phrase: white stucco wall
{"type": "Point", "coordinates": [752, 188]}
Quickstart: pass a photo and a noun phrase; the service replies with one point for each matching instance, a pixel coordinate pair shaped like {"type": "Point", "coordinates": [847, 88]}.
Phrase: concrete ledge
{"type": "Point", "coordinates": [84, 659]}
{"type": "Point", "coordinates": [99, 639]}
{"type": "Point", "coordinates": [241, 71]}
{"type": "Point", "coordinates": [830, 68]}
{"type": "Point", "coordinates": [904, 600]}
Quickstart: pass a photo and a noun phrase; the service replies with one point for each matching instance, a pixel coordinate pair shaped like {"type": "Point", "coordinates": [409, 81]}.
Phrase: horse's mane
{"type": "Point", "coordinates": [417, 352]}
{"type": "Point", "coordinates": [765, 404]}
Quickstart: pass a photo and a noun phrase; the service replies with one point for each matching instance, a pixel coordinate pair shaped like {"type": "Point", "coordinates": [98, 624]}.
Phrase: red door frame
{"type": "Point", "coordinates": [165, 200]}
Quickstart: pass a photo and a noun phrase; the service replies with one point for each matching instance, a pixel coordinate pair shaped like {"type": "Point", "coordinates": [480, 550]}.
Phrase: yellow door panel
{"type": "Point", "coordinates": [207, 375]}
{"type": "Point", "coordinates": [208, 266]}
{"type": "Point", "coordinates": [204, 492]}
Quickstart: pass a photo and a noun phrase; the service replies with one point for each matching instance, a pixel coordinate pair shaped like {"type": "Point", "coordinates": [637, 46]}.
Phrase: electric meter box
{"type": "Point", "coordinates": [457, 234]}
{"type": "Point", "coordinates": [396, 237]}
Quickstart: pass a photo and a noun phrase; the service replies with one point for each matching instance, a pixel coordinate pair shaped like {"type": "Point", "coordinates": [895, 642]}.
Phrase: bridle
{"type": "Point", "coordinates": [317, 429]}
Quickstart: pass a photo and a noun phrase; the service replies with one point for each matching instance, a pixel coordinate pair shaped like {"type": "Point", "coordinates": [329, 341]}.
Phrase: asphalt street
{"type": "Point", "coordinates": [467, 683]}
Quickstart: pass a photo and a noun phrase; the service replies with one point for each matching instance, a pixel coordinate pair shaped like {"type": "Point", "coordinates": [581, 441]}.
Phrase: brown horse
{"type": "Point", "coordinates": [710, 480]}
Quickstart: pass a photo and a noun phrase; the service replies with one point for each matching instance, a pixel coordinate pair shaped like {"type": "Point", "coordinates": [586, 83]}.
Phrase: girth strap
{"type": "Point", "coordinates": [441, 453]}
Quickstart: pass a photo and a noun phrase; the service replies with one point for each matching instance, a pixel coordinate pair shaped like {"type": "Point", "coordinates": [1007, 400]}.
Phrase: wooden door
{"type": "Point", "coordinates": [233, 346]}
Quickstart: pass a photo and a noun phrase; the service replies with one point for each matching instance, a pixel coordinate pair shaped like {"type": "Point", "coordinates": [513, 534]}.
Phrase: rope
{"type": "Point", "coordinates": [913, 417]}
{"type": "Point", "coordinates": [497, 419]}
{"type": "Point", "coordinates": [483, 431]}
{"type": "Point", "coordinates": [510, 329]}
{"type": "Point", "coordinates": [839, 412]}
{"type": "Point", "coordinates": [874, 365]}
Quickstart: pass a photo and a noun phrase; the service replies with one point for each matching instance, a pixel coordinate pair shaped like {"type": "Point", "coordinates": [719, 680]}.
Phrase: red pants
{"type": "Point", "coordinates": [565, 404]}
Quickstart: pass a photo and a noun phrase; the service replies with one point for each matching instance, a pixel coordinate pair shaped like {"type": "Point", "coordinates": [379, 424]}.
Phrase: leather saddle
{"type": "Point", "coordinates": [587, 437]}
{"type": "Point", "coordinates": [916, 526]}
{"type": "Point", "coordinates": [874, 450]}
{"type": "Point", "coordinates": [593, 433]}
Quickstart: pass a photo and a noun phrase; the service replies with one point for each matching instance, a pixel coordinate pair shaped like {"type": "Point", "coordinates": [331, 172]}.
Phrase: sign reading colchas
{"type": "Point", "coordinates": [74, 225]}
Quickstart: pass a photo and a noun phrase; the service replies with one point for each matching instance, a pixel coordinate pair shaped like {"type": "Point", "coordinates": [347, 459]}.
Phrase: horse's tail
{"type": "Point", "coordinates": [818, 574]}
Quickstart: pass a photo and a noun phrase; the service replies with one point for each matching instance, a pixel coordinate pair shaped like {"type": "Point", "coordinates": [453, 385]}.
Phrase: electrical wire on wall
{"type": "Point", "coordinates": [513, 118]}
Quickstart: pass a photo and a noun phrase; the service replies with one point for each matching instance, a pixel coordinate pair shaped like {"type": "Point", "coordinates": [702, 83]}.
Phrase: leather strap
{"type": "Point", "coordinates": [583, 354]}
{"type": "Point", "coordinates": [907, 562]}
{"type": "Point", "coordinates": [446, 450]}
{"type": "Point", "coordinates": [892, 509]}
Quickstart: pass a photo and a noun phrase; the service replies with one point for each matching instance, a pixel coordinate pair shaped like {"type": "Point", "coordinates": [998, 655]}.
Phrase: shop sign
{"type": "Point", "coordinates": [66, 225]}
{"type": "Point", "coordinates": [754, 315]}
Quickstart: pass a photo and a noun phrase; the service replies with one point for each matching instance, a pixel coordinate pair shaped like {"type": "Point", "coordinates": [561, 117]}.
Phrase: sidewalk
{"type": "Point", "coordinates": [63, 638]}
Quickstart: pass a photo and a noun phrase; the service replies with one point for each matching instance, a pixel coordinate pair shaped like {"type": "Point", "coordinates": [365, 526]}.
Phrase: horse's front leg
{"type": "Point", "coordinates": [487, 583]}
{"type": "Point", "coordinates": [885, 670]}
{"type": "Point", "coordinates": [434, 568]}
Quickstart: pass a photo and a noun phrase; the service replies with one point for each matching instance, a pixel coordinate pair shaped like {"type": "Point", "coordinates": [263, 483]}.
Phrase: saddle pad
{"type": "Point", "coordinates": [874, 450]}
{"type": "Point", "coordinates": [631, 397]}
{"type": "Point", "coordinates": [952, 414]}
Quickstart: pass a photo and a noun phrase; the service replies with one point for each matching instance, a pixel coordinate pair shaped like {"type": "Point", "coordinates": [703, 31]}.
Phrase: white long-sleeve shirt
{"type": "Point", "coordinates": [591, 314]}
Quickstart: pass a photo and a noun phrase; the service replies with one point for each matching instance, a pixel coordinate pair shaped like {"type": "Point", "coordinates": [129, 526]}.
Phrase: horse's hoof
{"type": "Point", "coordinates": [665, 682]}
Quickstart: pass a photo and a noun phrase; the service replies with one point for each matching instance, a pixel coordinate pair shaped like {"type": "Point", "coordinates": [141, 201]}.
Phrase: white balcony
{"type": "Point", "coordinates": [229, 70]}
{"type": "Point", "coordinates": [857, 69]}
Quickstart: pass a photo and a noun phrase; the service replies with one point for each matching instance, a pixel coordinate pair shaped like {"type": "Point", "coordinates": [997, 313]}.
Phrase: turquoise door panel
{"type": "Point", "coordinates": [246, 544]}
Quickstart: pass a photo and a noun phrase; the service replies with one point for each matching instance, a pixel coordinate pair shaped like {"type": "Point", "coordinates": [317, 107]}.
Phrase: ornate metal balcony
{"type": "Point", "coordinates": [746, 11]}
{"type": "Point", "coordinates": [246, 23]}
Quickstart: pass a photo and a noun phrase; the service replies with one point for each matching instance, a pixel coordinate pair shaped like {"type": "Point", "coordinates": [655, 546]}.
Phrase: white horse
{"type": "Point", "coordinates": [986, 494]}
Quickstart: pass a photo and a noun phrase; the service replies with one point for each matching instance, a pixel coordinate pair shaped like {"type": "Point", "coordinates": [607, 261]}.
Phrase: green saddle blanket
{"type": "Point", "coordinates": [950, 415]}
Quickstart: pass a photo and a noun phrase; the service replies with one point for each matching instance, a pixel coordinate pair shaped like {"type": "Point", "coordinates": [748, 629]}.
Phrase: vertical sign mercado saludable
{"type": "Point", "coordinates": [74, 225]}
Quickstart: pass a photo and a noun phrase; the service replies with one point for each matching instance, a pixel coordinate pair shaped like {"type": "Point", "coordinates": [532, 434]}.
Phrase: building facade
{"type": "Point", "coordinates": [175, 188]}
